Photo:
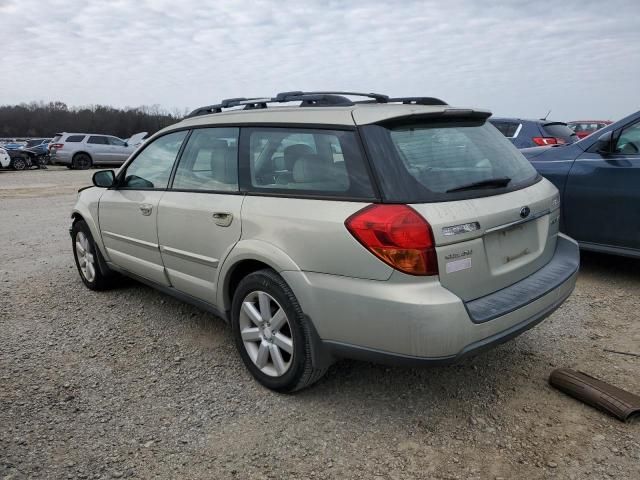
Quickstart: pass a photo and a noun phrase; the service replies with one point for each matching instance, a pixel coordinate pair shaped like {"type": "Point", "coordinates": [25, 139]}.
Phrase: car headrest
{"type": "Point", "coordinates": [224, 166]}
{"type": "Point", "coordinates": [309, 169]}
{"type": "Point", "coordinates": [293, 153]}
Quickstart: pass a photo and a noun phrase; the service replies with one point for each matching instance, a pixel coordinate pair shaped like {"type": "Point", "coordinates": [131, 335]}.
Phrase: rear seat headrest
{"type": "Point", "coordinates": [295, 152]}
{"type": "Point", "coordinates": [310, 168]}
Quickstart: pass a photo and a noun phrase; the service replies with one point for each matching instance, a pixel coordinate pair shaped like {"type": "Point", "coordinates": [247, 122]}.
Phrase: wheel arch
{"type": "Point", "coordinates": [81, 152]}
{"type": "Point", "coordinates": [246, 257]}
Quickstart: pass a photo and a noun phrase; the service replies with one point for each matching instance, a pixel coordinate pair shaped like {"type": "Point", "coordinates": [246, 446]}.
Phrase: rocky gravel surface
{"type": "Point", "coordinates": [131, 383]}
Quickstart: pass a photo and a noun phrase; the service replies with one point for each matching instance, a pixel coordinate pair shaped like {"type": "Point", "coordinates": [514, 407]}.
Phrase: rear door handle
{"type": "Point", "coordinates": [223, 219]}
{"type": "Point", "coordinates": [146, 209]}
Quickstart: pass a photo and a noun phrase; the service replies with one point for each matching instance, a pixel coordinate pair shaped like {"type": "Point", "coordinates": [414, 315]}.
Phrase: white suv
{"type": "Point", "coordinates": [394, 230]}
{"type": "Point", "coordinates": [83, 150]}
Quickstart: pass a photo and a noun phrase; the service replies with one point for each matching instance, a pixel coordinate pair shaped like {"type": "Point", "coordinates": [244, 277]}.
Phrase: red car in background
{"type": "Point", "coordinates": [584, 128]}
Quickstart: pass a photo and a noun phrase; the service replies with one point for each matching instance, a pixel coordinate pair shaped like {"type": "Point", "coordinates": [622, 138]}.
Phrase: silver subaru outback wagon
{"type": "Point", "coordinates": [396, 230]}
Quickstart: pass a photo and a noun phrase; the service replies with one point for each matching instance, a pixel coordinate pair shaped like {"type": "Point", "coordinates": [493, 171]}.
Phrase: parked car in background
{"type": "Point", "coordinates": [598, 178]}
{"type": "Point", "coordinates": [530, 133]}
{"type": "Point", "coordinates": [5, 159]}
{"type": "Point", "coordinates": [584, 128]}
{"type": "Point", "coordinates": [13, 146]}
{"type": "Point", "coordinates": [83, 150]}
{"type": "Point", "coordinates": [38, 150]}
{"type": "Point", "coordinates": [394, 230]}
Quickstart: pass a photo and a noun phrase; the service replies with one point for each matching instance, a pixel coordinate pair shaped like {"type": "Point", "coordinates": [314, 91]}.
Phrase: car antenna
{"type": "Point", "coordinates": [545, 117]}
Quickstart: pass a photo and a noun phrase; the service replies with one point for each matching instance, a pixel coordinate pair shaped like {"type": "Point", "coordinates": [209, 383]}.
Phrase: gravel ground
{"type": "Point", "coordinates": [131, 383]}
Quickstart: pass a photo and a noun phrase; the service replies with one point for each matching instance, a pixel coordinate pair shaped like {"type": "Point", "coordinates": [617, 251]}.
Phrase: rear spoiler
{"type": "Point", "coordinates": [446, 114]}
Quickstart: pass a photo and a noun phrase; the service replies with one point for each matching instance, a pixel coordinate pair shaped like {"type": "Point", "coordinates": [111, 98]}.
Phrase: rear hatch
{"type": "Point", "coordinates": [560, 131]}
{"type": "Point", "coordinates": [494, 219]}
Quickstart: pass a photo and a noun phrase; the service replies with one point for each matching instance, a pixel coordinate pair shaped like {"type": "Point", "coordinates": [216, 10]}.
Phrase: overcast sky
{"type": "Point", "coordinates": [581, 59]}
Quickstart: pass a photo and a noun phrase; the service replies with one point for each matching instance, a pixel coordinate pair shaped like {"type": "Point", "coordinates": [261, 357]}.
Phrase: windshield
{"type": "Point", "coordinates": [442, 161]}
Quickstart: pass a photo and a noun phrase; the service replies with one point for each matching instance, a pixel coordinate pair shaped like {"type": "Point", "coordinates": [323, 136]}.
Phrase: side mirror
{"type": "Point", "coordinates": [603, 145]}
{"type": "Point", "coordinates": [104, 178]}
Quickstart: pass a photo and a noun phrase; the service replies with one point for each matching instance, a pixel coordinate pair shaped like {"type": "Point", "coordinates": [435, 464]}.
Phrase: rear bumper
{"type": "Point", "coordinates": [416, 321]}
{"type": "Point", "coordinates": [60, 158]}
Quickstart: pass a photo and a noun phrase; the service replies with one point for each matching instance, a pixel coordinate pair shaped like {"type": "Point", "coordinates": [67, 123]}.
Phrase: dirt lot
{"type": "Point", "coordinates": [131, 383]}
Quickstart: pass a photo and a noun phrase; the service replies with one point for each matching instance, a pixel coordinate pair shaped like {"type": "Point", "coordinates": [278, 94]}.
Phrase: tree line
{"type": "Point", "coordinates": [46, 119]}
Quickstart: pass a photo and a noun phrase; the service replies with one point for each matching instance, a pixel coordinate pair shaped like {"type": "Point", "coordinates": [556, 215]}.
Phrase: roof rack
{"type": "Point", "coordinates": [411, 101]}
{"type": "Point", "coordinates": [312, 99]}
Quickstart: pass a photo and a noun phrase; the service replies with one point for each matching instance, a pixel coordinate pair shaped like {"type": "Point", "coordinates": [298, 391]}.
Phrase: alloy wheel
{"type": "Point", "coordinates": [266, 333]}
{"type": "Point", "coordinates": [86, 260]}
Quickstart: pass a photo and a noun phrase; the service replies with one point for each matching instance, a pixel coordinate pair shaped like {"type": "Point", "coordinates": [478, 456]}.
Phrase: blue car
{"type": "Point", "coordinates": [530, 133]}
{"type": "Point", "coordinates": [599, 182]}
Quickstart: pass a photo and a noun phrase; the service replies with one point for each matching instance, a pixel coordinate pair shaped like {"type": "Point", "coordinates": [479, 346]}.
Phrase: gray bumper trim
{"type": "Point", "coordinates": [563, 265]}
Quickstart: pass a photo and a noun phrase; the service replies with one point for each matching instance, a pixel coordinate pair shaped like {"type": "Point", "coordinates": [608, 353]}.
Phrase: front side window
{"type": "Point", "coordinates": [115, 141]}
{"type": "Point", "coordinates": [209, 161]}
{"type": "Point", "coordinates": [311, 162]}
{"type": "Point", "coordinates": [445, 160]}
{"type": "Point", "coordinates": [629, 140]}
{"type": "Point", "coordinates": [97, 140]}
{"type": "Point", "coordinates": [151, 168]}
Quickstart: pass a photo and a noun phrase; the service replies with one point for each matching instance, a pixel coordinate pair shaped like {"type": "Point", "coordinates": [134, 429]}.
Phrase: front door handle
{"type": "Point", "coordinates": [146, 209]}
{"type": "Point", "coordinates": [223, 219]}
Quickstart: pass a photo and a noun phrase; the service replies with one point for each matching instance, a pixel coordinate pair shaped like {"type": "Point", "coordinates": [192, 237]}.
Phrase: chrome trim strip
{"type": "Point", "coordinates": [550, 161]}
{"type": "Point", "coordinates": [515, 134]}
{"type": "Point", "coordinates": [193, 257]}
{"type": "Point", "coordinates": [133, 241]}
{"type": "Point", "coordinates": [518, 222]}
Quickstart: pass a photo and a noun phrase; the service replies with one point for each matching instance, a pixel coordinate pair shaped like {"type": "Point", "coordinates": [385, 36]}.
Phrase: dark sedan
{"type": "Point", "coordinates": [598, 179]}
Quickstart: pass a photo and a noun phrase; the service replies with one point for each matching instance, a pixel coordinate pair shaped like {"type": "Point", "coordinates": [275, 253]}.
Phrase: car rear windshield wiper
{"type": "Point", "coordinates": [488, 183]}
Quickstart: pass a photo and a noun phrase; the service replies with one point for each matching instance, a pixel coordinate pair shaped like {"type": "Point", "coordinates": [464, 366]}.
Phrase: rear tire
{"type": "Point", "coordinates": [272, 334]}
{"type": "Point", "coordinates": [89, 259]}
{"type": "Point", "coordinates": [82, 161]}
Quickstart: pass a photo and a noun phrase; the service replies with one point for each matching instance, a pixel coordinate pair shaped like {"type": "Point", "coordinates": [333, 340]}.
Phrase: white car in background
{"type": "Point", "coordinates": [84, 150]}
{"type": "Point", "coordinates": [5, 159]}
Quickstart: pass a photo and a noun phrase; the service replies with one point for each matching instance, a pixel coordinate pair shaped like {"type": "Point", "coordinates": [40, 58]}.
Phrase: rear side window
{"type": "Point", "coordinates": [209, 161]}
{"type": "Point", "coordinates": [98, 140]}
{"type": "Point", "coordinates": [423, 162]}
{"type": "Point", "coordinates": [75, 138]}
{"type": "Point", "coordinates": [306, 161]}
{"type": "Point", "coordinates": [560, 130]}
{"type": "Point", "coordinates": [508, 129]}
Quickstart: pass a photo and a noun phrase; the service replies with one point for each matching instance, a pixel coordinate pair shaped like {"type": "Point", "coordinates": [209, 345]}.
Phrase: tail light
{"type": "Point", "coordinates": [398, 235]}
{"type": "Point", "coordinates": [548, 141]}
{"type": "Point", "coordinates": [57, 146]}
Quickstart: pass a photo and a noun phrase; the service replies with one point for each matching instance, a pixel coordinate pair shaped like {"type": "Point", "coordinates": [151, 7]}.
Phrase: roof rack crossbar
{"type": "Point", "coordinates": [418, 100]}
{"type": "Point", "coordinates": [376, 96]}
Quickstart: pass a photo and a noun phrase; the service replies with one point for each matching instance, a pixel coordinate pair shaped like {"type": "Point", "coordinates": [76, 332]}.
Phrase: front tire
{"type": "Point", "coordinates": [88, 258]}
{"type": "Point", "coordinates": [272, 334]}
{"type": "Point", "coordinates": [19, 163]}
{"type": "Point", "coordinates": [82, 161]}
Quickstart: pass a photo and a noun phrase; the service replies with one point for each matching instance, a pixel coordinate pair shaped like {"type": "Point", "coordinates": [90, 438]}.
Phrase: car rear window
{"type": "Point", "coordinates": [75, 138]}
{"type": "Point", "coordinates": [560, 130]}
{"type": "Point", "coordinates": [56, 138]}
{"type": "Point", "coordinates": [508, 129]}
{"type": "Point", "coordinates": [422, 162]}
